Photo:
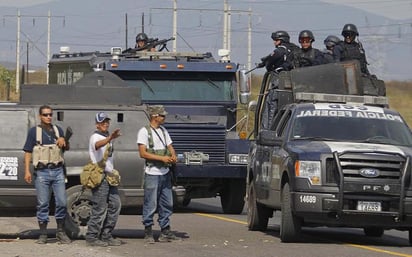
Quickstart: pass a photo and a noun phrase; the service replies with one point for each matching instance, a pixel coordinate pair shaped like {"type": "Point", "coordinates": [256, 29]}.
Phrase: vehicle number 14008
{"type": "Point", "coordinates": [307, 199]}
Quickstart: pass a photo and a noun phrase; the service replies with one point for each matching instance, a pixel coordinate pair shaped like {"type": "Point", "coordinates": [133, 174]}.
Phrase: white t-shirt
{"type": "Point", "coordinates": [97, 155]}
{"type": "Point", "coordinates": [143, 138]}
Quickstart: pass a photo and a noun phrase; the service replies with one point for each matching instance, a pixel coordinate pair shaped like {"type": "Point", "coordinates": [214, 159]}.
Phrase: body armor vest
{"type": "Point", "coordinates": [46, 154]}
{"type": "Point", "coordinates": [162, 152]}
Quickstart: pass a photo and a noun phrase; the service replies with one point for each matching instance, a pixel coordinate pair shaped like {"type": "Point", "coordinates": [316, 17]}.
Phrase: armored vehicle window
{"type": "Point", "coordinates": [13, 129]}
{"type": "Point", "coordinates": [175, 86]}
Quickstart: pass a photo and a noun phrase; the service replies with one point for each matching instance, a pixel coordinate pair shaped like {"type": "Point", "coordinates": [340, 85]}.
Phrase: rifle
{"type": "Point", "coordinates": [259, 65]}
{"type": "Point", "coordinates": [67, 136]}
{"type": "Point", "coordinates": [152, 43]}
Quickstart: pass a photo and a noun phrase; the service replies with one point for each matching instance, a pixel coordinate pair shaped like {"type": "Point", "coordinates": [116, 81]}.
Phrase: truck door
{"type": "Point", "coordinates": [279, 155]}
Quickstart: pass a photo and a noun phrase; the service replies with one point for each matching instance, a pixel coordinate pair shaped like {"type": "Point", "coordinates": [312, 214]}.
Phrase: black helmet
{"type": "Point", "coordinates": [306, 33]}
{"type": "Point", "coordinates": [331, 40]}
{"type": "Point", "coordinates": [282, 35]}
{"type": "Point", "coordinates": [349, 28]}
{"type": "Point", "coordinates": [141, 37]}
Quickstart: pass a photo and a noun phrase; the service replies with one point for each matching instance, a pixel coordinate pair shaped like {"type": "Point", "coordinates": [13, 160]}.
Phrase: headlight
{"type": "Point", "coordinates": [238, 159]}
{"type": "Point", "coordinates": [310, 170]}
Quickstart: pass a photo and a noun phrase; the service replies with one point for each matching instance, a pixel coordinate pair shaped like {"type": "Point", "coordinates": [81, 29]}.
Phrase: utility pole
{"type": "Point", "coordinates": [18, 54]}
{"type": "Point", "coordinates": [174, 25]}
{"type": "Point", "coordinates": [47, 56]}
{"type": "Point", "coordinates": [227, 11]}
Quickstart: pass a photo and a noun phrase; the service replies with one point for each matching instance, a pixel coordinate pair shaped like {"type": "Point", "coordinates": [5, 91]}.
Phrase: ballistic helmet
{"type": "Point", "coordinates": [349, 29]}
{"type": "Point", "coordinates": [142, 37]}
{"type": "Point", "coordinates": [281, 35]}
{"type": "Point", "coordinates": [307, 34]}
{"type": "Point", "coordinates": [331, 40]}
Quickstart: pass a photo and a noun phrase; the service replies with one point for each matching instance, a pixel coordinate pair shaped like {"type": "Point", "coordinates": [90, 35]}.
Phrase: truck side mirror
{"type": "Point", "coordinates": [244, 86]}
{"type": "Point", "coordinates": [269, 138]}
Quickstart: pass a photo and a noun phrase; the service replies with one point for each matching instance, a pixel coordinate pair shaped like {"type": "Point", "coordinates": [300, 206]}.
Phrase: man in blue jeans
{"type": "Point", "coordinates": [155, 146]}
{"type": "Point", "coordinates": [105, 198]}
{"type": "Point", "coordinates": [48, 172]}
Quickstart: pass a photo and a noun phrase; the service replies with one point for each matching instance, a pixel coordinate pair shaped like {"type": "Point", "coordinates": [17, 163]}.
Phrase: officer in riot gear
{"type": "Point", "coordinates": [142, 40]}
{"type": "Point", "coordinates": [349, 49]}
{"type": "Point", "coordinates": [330, 42]}
{"type": "Point", "coordinates": [307, 55]}
{"type": "Point", "coordinates": [278, 59]}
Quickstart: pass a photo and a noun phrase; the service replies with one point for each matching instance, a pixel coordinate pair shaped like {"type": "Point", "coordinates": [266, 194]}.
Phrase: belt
{"type": "Point", "coordinates": [42, 166]}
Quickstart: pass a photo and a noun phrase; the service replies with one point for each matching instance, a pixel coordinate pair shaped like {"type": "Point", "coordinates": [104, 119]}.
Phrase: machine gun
{"type": "Point", "coordinates": [153, 42]}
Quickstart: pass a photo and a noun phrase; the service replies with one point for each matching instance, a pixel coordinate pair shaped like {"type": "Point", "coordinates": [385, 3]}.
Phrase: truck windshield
{"type": "Point", "coordinates": [380, 131]}
{"type": "Point", "coordinates": [179, 86]}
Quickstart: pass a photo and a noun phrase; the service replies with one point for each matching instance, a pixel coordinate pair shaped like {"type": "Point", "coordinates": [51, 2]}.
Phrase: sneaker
{"type": "Point", "coordinates": [42, 240]}
{"type": "Point", "coordinates": [167, 235]}
{"type": "Point", "coordinates": [96, 242]}
{"type": "Point", "coordinates": [113, 241]}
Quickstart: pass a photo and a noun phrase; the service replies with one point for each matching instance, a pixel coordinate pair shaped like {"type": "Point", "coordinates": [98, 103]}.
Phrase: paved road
{"type": "Point", "coordinates": [205, 231]}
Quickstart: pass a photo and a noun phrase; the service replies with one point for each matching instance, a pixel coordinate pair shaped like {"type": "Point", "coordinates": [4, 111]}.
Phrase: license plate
{"type": "Point", "coordinates": [369, 206]}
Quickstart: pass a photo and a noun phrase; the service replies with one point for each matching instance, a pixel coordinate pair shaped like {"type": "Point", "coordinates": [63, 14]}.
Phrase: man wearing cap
{"type": "Point", "coordinates": [155, 146]}
{"type": "Point", "coordinates": [105, 198]}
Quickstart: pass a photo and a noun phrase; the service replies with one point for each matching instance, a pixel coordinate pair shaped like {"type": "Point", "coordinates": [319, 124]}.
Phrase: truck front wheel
{"type": "Point", "coordinates": [232, 196]}
{"type": "Point", "coordinates": [78, 211]}
{"type": "Point", "coordinates": [257, 214]}
{"type": "Point", "coordinates": [290, 225]}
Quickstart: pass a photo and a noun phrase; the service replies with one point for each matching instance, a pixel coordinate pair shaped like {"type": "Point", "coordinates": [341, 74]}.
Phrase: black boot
{"type": "Point", "coordinates": [43, 233]}
{"type": "Point", "coordinates": [61, 234]}
{"type": "Point", "coordinates": [148, 235]}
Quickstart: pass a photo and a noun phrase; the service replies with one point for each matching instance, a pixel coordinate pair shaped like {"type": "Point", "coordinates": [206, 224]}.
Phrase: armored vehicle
{"type": "Point", "coordinates": [201, 96]}
{"type": "Point", "coordinates": [328, 152]}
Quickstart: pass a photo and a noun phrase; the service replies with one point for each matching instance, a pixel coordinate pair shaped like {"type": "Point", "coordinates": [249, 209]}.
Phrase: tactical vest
{"type": "Point", "coordinates": [354, 51]}
{"type": "Point", "coordinates": [304, 58]}
{"type": "Point", "coordinates": [46, 154]}
{"type": "Point", "coordinates": [161, 152]}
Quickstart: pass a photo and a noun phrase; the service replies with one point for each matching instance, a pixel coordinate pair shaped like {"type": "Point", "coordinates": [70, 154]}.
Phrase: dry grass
{"type": "Point", "coordinates": [400, 98]}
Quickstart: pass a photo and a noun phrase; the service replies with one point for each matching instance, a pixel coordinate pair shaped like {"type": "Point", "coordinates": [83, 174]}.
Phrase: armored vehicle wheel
{"type": "Point", "coordinates": [232, 196]}
{"type": "Point", "coordinates": [290, 225]}
{"type": "Point", "coordinates": [257, 214]}
{"type": "Point", "coordinates": [373, 231]}
{"type": "Point", "coordinates": [78, 211]}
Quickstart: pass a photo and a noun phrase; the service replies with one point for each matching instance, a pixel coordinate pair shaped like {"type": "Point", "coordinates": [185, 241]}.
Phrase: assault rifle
{"type": "Point", "coordinates": [153, 42]}
{"type": "Point", "coordinates": [67, 136]}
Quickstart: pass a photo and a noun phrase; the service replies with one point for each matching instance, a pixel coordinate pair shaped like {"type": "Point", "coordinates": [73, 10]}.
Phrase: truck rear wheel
{"type": "Point", "coordinates": [373, 231]}
{"type": "Point", "coordinates": [232, 196]}
{"type": "Point", "coordinates": [290, 225]}
{"type": "Point", "coordinates": [257, 214]}
{"type": "Point", "coordinates": [78, 211]}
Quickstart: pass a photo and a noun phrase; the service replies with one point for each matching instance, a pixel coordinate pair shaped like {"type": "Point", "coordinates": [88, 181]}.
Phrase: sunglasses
{"type": "Point", "coordinates": [47, 114]}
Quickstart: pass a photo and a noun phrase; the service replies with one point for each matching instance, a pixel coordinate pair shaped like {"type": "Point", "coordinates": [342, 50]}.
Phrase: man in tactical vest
{"type": "Point", "coordinates": [278, 60]}
{"type": "Point", "coordinates": [44, 148]}
{"type": "Point", "coordinates": [307, 55]}
{"type": "Point", "coordinates": [155, 146]}
{"type": "Point", "coordinates": [349, 49]}
{"type": "Point", "coordinates": [105, 197]}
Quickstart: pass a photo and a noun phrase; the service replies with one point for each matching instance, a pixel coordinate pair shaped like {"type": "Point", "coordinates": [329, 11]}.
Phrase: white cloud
{"type": "Point", "coordinates": [394, 9]}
